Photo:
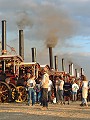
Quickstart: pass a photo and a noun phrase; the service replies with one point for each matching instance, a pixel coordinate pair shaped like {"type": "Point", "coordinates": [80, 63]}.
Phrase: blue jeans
{"type": "Point", "coordinates": [31, 96]}
{"type": "Point", "coordinates": [38, 96]}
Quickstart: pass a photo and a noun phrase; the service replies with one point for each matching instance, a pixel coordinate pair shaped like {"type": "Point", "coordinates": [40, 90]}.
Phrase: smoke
{"type": "Point", "coordinates": [53, 24]}
{"type": "Point", "coordinates": [23, 20]}
{"type": "Point", "coordinates": [49, 24]}
{"type": "Point", "coordinates": [52, 40]}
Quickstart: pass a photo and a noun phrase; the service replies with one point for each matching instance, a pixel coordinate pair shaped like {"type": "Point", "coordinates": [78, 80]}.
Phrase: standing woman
{"type": "Point", "coordinates": [84, 91]}
{"type": "Point", "coordinates": [31, 92]}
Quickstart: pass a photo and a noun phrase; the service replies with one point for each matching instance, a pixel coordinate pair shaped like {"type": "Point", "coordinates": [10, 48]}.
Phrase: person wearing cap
{"type": "Point", "coordinates": [44, 85]}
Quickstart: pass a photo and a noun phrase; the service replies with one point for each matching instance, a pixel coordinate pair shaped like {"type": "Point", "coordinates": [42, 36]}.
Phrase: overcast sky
{"type": "Point", "coordinates": [62, 24]}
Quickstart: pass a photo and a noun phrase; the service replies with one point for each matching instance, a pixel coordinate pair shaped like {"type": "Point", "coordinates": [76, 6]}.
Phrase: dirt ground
{"type": "Point", "coordinates": [20, 111]}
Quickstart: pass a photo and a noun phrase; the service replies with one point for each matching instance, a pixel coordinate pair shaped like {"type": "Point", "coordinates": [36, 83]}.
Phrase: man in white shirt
{"type": "Point", "coordinates": [44, 85]}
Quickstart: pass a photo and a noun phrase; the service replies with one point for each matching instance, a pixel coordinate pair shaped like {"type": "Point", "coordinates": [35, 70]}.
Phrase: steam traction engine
{"type": "Point", "coordinates": [8, 91]}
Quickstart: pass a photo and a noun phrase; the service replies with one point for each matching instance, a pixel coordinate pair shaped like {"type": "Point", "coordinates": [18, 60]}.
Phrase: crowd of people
{"type": "Point", "coordinates": [56, 89]}
{"type": "Point", "coordinates": [50, 89]}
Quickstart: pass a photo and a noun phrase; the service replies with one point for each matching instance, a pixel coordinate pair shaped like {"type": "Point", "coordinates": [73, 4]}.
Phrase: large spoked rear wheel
{"type": "Point", "coordinates": [5, 92]}
{"type": "Point", "coordinates": [22, 94]}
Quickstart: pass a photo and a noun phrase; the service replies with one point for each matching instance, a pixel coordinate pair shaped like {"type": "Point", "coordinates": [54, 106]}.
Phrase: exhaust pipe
{"type": "Point", "coordinates": [33, 54]}
{"type": "Point", "coordinates": [56, 63]}
{"type": "Point", "coordinates": [51, 57]}
{"type": "Point", "coordinates": [3, 43]}
{"type": "Point", "coordinates": [21, 43]}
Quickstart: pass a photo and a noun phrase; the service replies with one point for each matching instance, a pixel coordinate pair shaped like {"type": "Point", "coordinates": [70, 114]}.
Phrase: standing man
{"type": "Point", "coordinates": [61, 84]}
{"type": "Point", "coordinates": [67, 90]}
{"type": "Point", "coordinates": [44, 84]}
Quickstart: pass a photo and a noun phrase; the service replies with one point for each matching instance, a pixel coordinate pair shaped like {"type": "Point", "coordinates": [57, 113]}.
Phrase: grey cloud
{"type": "Point", "coordinates": [79, 10]}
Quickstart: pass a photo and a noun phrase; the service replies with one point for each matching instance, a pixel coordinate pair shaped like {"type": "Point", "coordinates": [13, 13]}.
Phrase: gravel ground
{"type": "Point", "coordinates": [20, 111]}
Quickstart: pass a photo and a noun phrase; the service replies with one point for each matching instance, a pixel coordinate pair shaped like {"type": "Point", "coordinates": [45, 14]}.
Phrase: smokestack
{"type": "Point", "coordinates": [21, 43]}
{"type": "Point", "coordinates": [72, 72]}
{"type": "Point", "coordinates": [3, 43]}
{"type": "Point", "coordinates": [82, 71]}
{"type": "Point", "coordinates": [4, 37]}
{"type": "Point", "coordinates": [76, 72]}
{"type": "Point", "coordinates": [63, 64]}
{"type": "Point", "coordinates": [51, 57]}
{"type": "Point", "coordinates": [33, 54]}
{"type": "Point", "coordinates": [69, 68]}
{"type": "Point", "coordinates": [56, 63]}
